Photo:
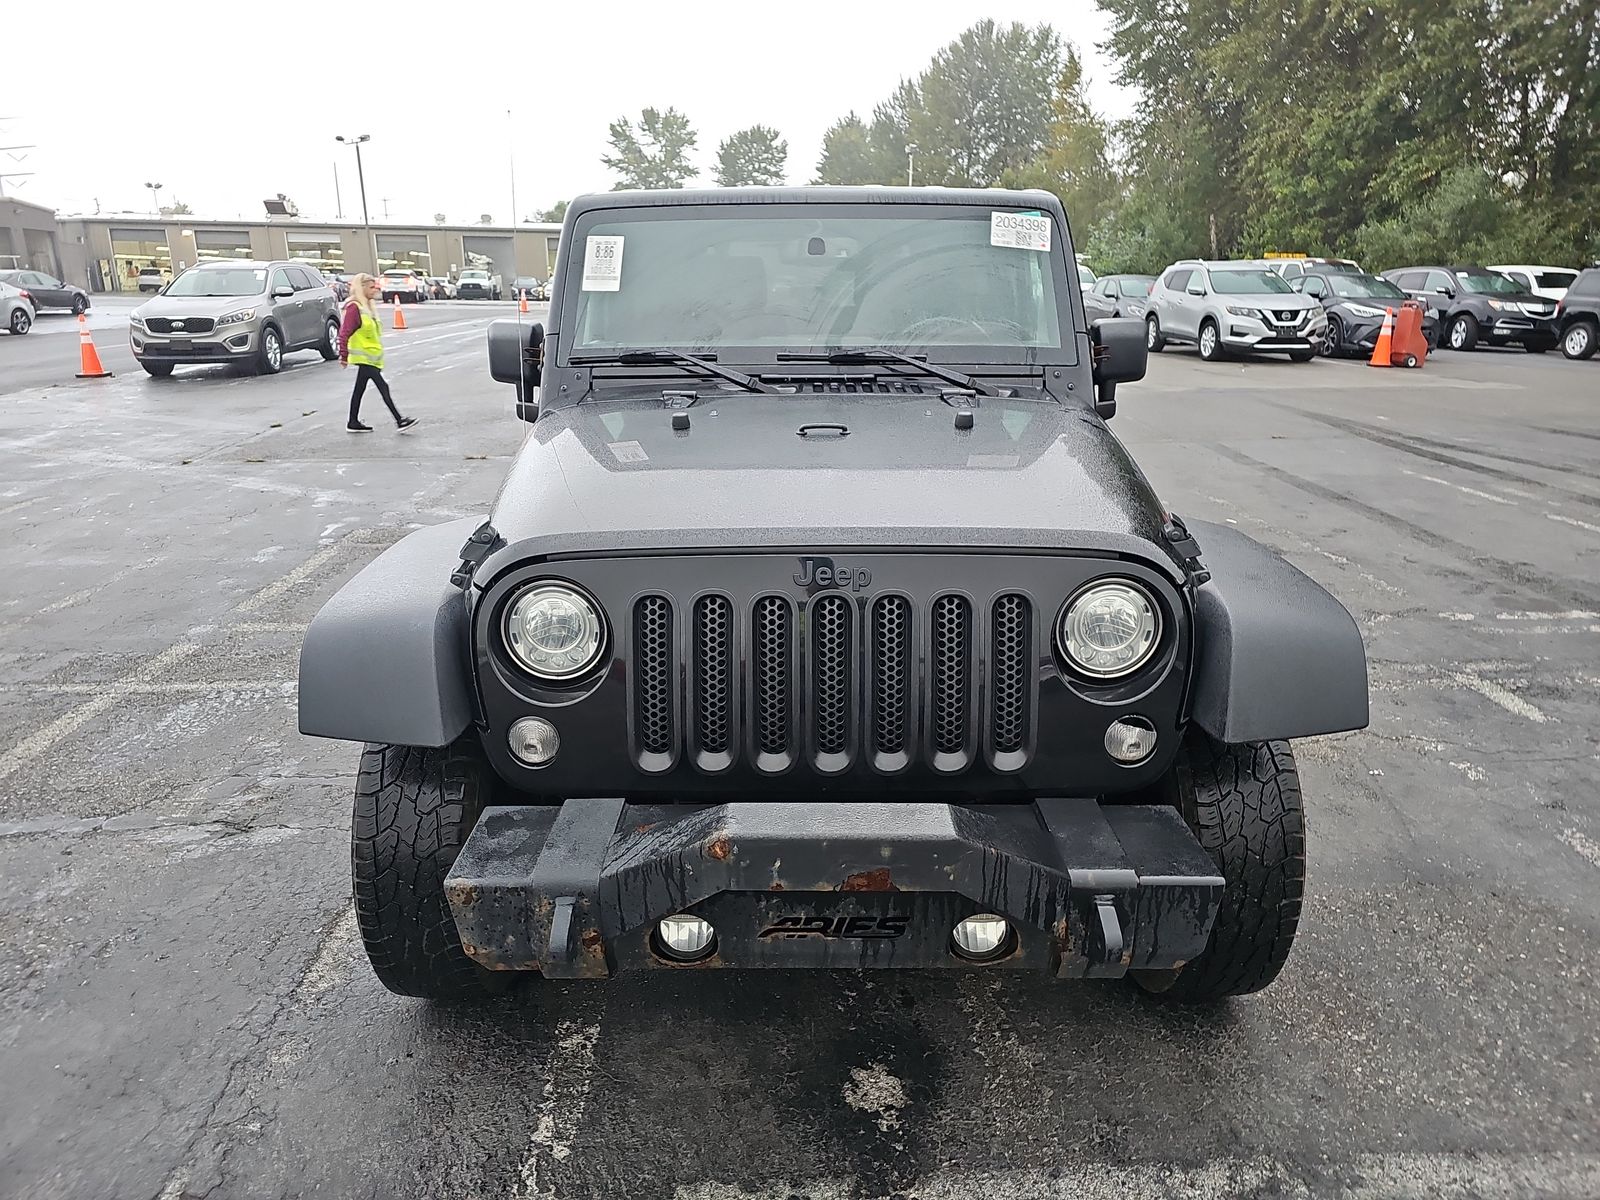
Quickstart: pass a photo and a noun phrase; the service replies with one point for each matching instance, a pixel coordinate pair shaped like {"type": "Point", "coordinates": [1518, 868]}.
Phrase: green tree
{"type": "Point", "coordinates": [1075, 162]}
{"type": "Point", "coordinates": [557, 212]}
{"type": "Point", "coordinates": [847, 156]}
{"type": "Point", "coordinates": [656, 155]}
{"type": "Point", "coordinates": [753, 156]}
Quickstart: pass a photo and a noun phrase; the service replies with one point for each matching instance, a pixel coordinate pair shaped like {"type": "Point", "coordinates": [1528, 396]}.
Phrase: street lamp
{"type": "Point", "coordinates": [372, 245]}
{"type": "Point", "coordinates": [911, 163]}
{"type": "Point", "coordinates": [156, 188]}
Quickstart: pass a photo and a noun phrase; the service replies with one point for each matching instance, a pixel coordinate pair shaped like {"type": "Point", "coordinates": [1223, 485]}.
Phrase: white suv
{"type": "Point", "coordinates": [1232, 307]}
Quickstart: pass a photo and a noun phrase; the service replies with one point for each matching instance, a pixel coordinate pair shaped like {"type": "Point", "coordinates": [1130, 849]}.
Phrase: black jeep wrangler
{"type": "Point", "coordinates": [822, 622]}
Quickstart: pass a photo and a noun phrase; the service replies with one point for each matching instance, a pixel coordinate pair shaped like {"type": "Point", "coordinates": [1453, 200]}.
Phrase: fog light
{"type": "Point", "coordinates": [534, 740]}
{"type": "Point", "coordinates": [980, 937]}
{"type": "Point", "coordinates": [1130, 740]}
{"type": "Point", "coordinates": [684, 938]}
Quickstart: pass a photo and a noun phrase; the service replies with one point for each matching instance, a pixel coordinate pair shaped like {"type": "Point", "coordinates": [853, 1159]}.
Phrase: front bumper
{"type": "Point", "coordinates": [1361, 333]}
{"type": "Point", "coordinates": [1251, 333]}
{"type": "Point", "coordinates": [1537, 330]}
{"type": "Point", "coordinates": [229, 343]}
{"type": "Point", "coordinates": [1090, 890]}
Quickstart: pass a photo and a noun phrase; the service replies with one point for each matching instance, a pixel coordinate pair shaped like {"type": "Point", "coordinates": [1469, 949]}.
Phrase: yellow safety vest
{"type": "Point", "coordinates": [366, 343]}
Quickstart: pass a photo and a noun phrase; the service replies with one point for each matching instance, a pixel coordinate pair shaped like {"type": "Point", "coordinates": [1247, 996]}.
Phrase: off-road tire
{"type": "Point", "coordinates": [1244, 804]}
{"type": "Point", "coordinates": [1152, 334]}
{"type": "Point", "coordinates": [413, 811]}
{"type": "Point", "coordinates": [1468, 325]}
{"type": "Point", "coordinates": [328, 347]}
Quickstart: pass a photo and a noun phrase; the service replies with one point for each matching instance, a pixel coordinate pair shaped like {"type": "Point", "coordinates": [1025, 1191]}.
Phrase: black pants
{"type": "Point", "coordinates": [364, 373]}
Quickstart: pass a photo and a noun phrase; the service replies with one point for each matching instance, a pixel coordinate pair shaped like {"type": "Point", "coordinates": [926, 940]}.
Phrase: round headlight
{"type": "Point", "coordinates": [554, 631]}
{"type": "Point", "coordinates": [1109, 629]}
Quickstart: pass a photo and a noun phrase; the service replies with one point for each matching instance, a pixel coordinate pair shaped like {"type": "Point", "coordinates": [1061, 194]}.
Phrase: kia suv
{"type": "Point", "coordinates": [1473, 305]}
{"type": "Point", "coordinates": [1226, 307]}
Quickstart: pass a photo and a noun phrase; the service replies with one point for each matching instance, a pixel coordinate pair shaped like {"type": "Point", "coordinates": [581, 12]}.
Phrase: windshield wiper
{"type": "Point", "coordinates": [627, 358]}
{"type": "Point", "coordinates": [846, 358]}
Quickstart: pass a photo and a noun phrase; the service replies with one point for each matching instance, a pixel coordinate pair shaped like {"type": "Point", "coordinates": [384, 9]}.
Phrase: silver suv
{"type": "Point", "coordinates": [1232, 307]}
{"type": "Point", "coordinates": [236, 311]}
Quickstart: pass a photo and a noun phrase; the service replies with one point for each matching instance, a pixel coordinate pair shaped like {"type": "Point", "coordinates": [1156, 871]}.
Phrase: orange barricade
{"type": "Point", "coordinates": [1410, 347]}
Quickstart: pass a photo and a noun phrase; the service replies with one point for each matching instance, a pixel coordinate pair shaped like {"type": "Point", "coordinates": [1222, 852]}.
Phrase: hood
{"type": "Point", "coordinates": [614, 475]}
{"type": "Point", "coordinates": [197, 306]}
{"type": "Point", "coordinates": [1292, 302]}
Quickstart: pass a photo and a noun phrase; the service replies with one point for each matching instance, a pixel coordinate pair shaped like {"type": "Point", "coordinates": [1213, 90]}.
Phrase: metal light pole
{"type": "Point", "coordinates": [366, 222]}
{"type": "Point", "coordinates": [156, 188]}
{"type": "Point", "coordinates": [911, 164]}
{"type": "Point", "coordinates": [338, 200]}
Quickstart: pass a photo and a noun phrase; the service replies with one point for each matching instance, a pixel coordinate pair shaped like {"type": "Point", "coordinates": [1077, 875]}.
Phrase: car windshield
{"type": "Point", "coordinates": [712, 280]}
{"type": "Point", "coordinates": [474, 275]}
{"type": "Point", "coordinates": [1490, 283]}
{"type": "Point", "coordinates": [219, 281]}
{"type": "Point", "coordinates": [1357, 286]}
{"type": "Point", "coordinates": [1249, 283]}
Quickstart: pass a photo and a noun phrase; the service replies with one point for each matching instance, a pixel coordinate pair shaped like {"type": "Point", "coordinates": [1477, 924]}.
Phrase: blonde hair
{"type": "Point", "coordinates": [358, 292]}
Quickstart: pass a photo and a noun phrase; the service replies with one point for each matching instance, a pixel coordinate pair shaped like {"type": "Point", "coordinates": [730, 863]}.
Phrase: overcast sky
{"type": "Point", "coordinates": [228, 104]}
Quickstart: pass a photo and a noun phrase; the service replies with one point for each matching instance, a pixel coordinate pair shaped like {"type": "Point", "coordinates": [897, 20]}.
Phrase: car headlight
{"type": "Point", "coordinates": [554, 631]}
{"type": "Point", "coordinates": [233, 318]}
{"type": "Point", "coordinates": [1364, 310]}
{"type": "Point", "coordinates": [136, 321]}
{"type": "Point", "coordinates": [1109, 629]}
{"type": "Point", "coordinates": [1238, 311]}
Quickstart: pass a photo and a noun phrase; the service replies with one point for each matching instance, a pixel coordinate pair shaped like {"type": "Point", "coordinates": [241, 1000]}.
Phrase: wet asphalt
{"type": "Point", "coordinates": [185, 1011]}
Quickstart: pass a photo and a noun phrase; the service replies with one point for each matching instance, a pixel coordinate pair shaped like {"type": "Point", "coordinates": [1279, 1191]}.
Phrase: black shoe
{"type": "Point", "coordinates": [405, 423]}
{"type": "Point", "coordinates": [358, 427]}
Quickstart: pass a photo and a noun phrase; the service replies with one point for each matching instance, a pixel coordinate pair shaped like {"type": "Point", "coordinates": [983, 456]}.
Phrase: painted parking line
{"type": "Point", "coordinates": [566, 1092]}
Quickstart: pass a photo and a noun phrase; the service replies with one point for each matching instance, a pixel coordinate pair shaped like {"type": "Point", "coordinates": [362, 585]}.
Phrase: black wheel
{"type": "Point", "coordinates": [20, 321]}
{"type": "Point", "coordinates": [80, 305]}
{"type": "Point", "coordinates": [413, 811]}
{"type": "Point", "coordinates": [328, 347]}
{"type": "Point", "coordinates": [1243, 803]}
{"type": "Point", "coordinates": [157, 370]}
{"type": "Point", "coordinates": [1580, 339]}
{"type": "Point", "coordinates": [1210, 341]}
{"type": "Point", "coordinates": [1463, 332]}
{"type": "Point", "coordinates": [1334, 341]}
{"type": "Point", "coordinates": [1302, 355]}
{"type": "Point", "coordinates": [269, 359]}
{"type": "Point", "coordinates": [1152, 334]}
{"type": "Point", "coordinates": [1535, 347]}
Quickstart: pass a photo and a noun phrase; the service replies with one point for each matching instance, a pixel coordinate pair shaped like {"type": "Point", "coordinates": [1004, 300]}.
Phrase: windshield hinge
{"type": "Point", "coordinates": [678, 398]}
{"type": "Point", "coordinates": [960, 397]}
{"type": "Point", "coordinates": [484, 540]}
{"type": "Point", "coordinates": [1185, 547]}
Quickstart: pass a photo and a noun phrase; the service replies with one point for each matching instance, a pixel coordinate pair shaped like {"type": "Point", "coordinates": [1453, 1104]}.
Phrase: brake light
{"type": "Point", "coordinates": [25, 294]}
{"type": "Point", "coordinates": [1560, 304]}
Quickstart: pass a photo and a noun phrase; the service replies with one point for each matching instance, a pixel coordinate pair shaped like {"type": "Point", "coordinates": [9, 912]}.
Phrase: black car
{"type": "Point", "coordinates": [1356, 306]}
{"type": "Point", "coordinates": [526, 286]}
{"type": "Point", "coordinates": [822, 622]}
{"type": "Point", "coordinates": [1578, 316]}
{"type": "Point", "coordinates": [48, 291]}
{"type": "Point", "coordinates": [1128, 295]}
{"type": "Point", "coordinates": [1474, 305]}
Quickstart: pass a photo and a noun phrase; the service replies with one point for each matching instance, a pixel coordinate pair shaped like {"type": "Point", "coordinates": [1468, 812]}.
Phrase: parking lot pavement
{"type": "Point", "coordinates": [186, 1010]}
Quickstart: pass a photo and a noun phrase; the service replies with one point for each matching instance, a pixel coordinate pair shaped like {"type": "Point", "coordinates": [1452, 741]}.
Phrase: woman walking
{"type": "Point", "coordinates": [361, 342]}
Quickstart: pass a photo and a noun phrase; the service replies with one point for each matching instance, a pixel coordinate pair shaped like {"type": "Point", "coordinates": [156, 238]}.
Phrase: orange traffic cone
{"type": "Point", "coordinates": [399, 314]}
{"type": "Point", "coordinates": [89, 366]}
{"type": "Point", "coordinates": [1383, 350]}
{"type": "Point", "coordinates": [522, 301]}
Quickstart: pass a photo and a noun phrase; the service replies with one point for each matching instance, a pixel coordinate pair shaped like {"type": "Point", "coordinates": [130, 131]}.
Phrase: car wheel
{"type": "Point", "coordinates": [20, 321]}
{"type": "Point", "coordinates": [413, 811]}
{"type": "Point", "coordinates": [1463, 333]}
{"type": "Point", "coordinates": [80, 305]}
{"type": "Point", "coordinates": [1152, 334]}
{"type": "Point", "coordinates": [328, 347]}
{"type": "Point", "coordinates": [1302, 355]}
{"type": "Point", "coordinates": [1210, 342]}
{"type": "Point", "coordinates": [1243, 803]}
{"type": "Point", "coordinates": [1334, 341]}
{"type": "Point", "coordinates": [1535, 347]}
{"type": "Point", "coordinates": [1579, 341]}
{"type": "Point", "coordinates": [157, 370]}
{"type": "Point", "coordinates": [269, 359]}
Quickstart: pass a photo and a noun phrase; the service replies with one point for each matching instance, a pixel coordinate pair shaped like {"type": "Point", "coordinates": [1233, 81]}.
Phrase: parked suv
{"type": "Point", "coordinates": [48, 291]}
{"type": "Point", "coordinates": [403, 283]}
{"type": "Point", "coordinates": [1550, 282]}
{"type": "Point", "coordinates": [1356, 306]}
{"type": "Point", "coordinates": [236, 311]}
{"type": "Point", "coordinates": [1228, 306]}
{"type": "Point", "coordinates": [1578, 316]}
{"type": "Point", "coordinates": [1473, 304]}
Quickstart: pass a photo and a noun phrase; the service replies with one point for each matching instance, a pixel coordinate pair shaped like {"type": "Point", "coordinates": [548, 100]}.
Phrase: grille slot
{"type": "Point", "coordinates": [713, 678]}
{"type": "Point", "coordinates": [831, 673]}
{"type": "Point", "coordinates": [951, 674]}
{"type": "Point", "coordinates": [190, 325]}
{"type": "Point", "coordinates": [1010, 656]}
{"type": "Point", "coordinates": [772, 683]}
{"type": "Point", "coordinates": [652, 674]}
{"type": "Point", "coordinates": [891, 674]}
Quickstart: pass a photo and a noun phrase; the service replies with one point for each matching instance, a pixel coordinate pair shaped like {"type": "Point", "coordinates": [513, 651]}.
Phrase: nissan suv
{"type": "Point", "coordinates": [237, 311]}
{"type": "Point", "coordinates": [1227, 307]}
{"type": "Point", "coordinates": [1473, 305]}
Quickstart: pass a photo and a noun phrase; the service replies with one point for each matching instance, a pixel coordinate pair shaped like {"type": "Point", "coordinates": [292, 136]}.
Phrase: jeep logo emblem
{"type": "Point", "coordinates": [822, 573]}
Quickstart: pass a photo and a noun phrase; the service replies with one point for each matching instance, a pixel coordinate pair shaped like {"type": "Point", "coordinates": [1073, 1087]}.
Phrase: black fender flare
{"type": "Point", "coordinates": [388, 659]}
{"type": "Point", "coordinates": [1276, 656]}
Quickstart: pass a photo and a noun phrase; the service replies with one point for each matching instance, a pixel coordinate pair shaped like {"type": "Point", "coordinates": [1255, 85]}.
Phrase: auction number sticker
{"type": "Point", "coordinates": [602, 264]}
{"type": "Point", "coordinates": [1019, 230]}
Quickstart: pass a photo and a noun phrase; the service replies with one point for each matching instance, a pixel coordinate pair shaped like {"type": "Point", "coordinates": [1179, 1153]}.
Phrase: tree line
{"type": "Point", "coordinates": [1386, 130]}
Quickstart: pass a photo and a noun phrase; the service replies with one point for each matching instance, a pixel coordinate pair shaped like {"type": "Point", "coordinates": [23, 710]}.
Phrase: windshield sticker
{"type": "Point", "coordinates": [628, 451]}
{"type": "Point", "coordinates": [1019, 231]}
{"type": "Point", "coordinates": [602, 264]}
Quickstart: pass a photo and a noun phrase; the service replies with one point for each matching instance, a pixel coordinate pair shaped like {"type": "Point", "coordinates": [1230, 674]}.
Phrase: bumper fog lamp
{"type": "Point", "coordinates": [1130, 740]}
{"type": "Point", "coordinates": [534, 740]}
{"type": "Point", "coordinates": [685, 938]}
{"type": "Point", "coordinates": [981, 937]}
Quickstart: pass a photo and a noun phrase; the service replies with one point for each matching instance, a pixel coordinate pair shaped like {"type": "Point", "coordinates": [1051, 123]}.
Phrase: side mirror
{"type": "Point", "coordinates": [1120, 356]}
{"type": "Point", "coordinates": [516, 356]}
{"type": "Point", "coordinates": [1444, 291]}
{"type": "Point", "coordinates": [282, 291]}
{"type": "Point", "coordinates": [1197, 291]}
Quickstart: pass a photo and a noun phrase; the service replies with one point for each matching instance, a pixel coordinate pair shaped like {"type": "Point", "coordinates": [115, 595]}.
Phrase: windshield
{"type": "Point", "coordinates": [813, 278]}
{"type": "Point", "coordinates": [219, 281]}
{"type": "Point", "coordinates": [1498, 285]}
{"type": "Point", "coordinates": [474, 275]}
{"type": "Point", "coordinates": [1249, 283]}
{"type": "Point", "coordinates": [1353, 286]}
